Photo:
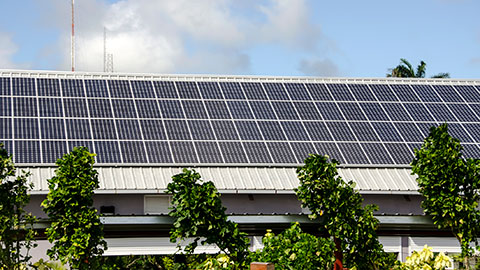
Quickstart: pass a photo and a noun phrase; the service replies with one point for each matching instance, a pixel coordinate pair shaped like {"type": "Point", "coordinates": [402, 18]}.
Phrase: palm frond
{"type": "Point", "coordinates": [443, 75]}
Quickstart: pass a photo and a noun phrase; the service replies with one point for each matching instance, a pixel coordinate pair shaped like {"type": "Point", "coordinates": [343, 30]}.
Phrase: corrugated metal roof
{"type": "Point", "coordinates": [267, 180]}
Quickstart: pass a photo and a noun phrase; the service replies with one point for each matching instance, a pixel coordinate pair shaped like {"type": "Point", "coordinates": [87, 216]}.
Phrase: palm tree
{"type": "Point", "coordinates": [405, 70]}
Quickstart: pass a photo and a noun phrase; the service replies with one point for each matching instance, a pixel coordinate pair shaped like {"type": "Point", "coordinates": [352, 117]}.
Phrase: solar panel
{"type": "Point", "coordinates": [165, 89]}
{"type": "Point", "coordinates": [52, 128]}
{"type": "Point", "coordinates": [53, 150]}
{"type": "Point", "coordinates": [340, 92]}
{"type": "Point", "coordinates": [262, 110]}
{"type": "Point", "coordinates": [133, 152]}
{"type": "Point", "coordinates": [396, 112]}
{"type": "Point", "coordinates": [194, 109]}
{"type": "Point", "coordinates": [128, 130]}
{"type": "Point", "coordinates": [96, 88]}
{"type": "Point", "coordinates": [307, 111]}
{"type": "Point", "coordinates": [24, 106]}
{"type": "Point", "coordinates": [405, 93]}
{"type": "Point", "coordinates": [441, 112]}
{"type": "Point", "coordinates": [330, 149]}
{"type": "Point", "coordinates": [426, 93]}
{"type": "Point", "coordinates": [48, 87]}
{"type": "Point", "coordinates": [171, 109]}
{"type": "Point", "coordinates": [5, 106]}
{"type": "Point", "coordinates": [401, 154]}
{"type": "Point", "coordinates": [75, 107]}
{"type": "Point", "coordinates": [351, 111]}
{"type": "Point", "coordinates": [147, 108]}
{"type": "Point", "coordinates": [383, 92]}
{"type": "Point", "coordinates": [177, 130]}
{"type": "Point", "coordinates": [217, 109]}
{"type": "Point", "coordinates": [233, 152]}
{"type": "Point", "coordinates": [26, 128]}
{"type": "Point", "coordinates": [142, 89]}
{"type": "Point", "coordinates": [374, 112]}
{"type": "Point", "coordinates": [464, 113]}
{"type": "Point", "coordinates": [23, 87]}
{"type": "Point", "coordinates": [208, 152]}
{"type": "Point", "coordinates": [254, 91]}
{"type": "Point", "coordinates": [353, 153]}
{"type": "Point", "coordinates": [188, 90]}
{"type": "Point", "coordinates": [377, 153]}
{"type": "Point", "coordinates": [318, 131]}
{"type": "Point", "coordinates": [107, 152]}
{"type": "Point", "coordinates": [78, 129]}
{"type": "Point", "coordinates": [210, 90]}
{"type": "Point", "coordinates": [153, 129]}
{"type": "Point", "coordinates": [240, 110]}
{"type": "Point", "coordinates": [5, 89]}
{"type": "Point", "coordinates": [183, 152]}
{"type": "Point", "coordinates": [302, 150]}
{"type": "Point", "coordinates": [123, 108]}
{"type": "Point", "coordinates": [232, 90]}
{"type": "Point", "coordinates": [295, 131]}
{"type": "Point", "coordinates": [363, 131]}
{"type": "Point", "coordinates": [248, 130]}
{"type": "Point", "coordinates": [104, 129]}
{"type": "Point", "coordinates": [319, 92]}
{"type": "Point", "coordinates": [275, 91]}
{"type": "Point", "coordinates": [285, 110]}
{"type": "Point", "coordinates": [100, 108]}
{"type": "Point", "coordinates": [447, 93]}
{"type": "Point", "coordinates": [224, 130]}
{"type": "Point", "coordinates": [418, 111]}
{"type": "Point", "coordinates": [5, 129]}
{"type": "Point", "coordinates": [341, 131]}
{"type": "Point", "coordinates": [119, 89]}
{"type": "Point", "coordinates": [257, 152]}
{"type": "Point", "coordinates": [72, 88]}
{"type": "Point", "coordinates": [297, 91]}
{"type": "Point", "coordinates": [158, 152]}
{"type": "Point", "coordinates": [387, 132]}
{"type": "Point", "coordinates": [362, 92]}
{"type": "Point", "coordinates": [281, 152]}
{"type": "Point", "coordinates": [27, 152]}
{"type": "Point", "coordinates": [201, 130]}
{"type": "Point", "coordinates": [468, 92]}
{"type": "Point", "coordinates": [49, 107]}
{"type": "Point", "coordinates": [329, 110]}
{"type": "Point", "coordinates": [271, 130]}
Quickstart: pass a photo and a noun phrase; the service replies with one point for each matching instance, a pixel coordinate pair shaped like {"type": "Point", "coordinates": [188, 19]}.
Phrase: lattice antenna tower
{"type": "Point", "coordinates": [107, 57]}
{"type": "Point", "coordinates": [73, 36]}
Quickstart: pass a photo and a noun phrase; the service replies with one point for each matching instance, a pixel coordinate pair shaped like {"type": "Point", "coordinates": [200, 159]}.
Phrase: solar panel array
{"type": "Point", "coordinates": [199, 122]}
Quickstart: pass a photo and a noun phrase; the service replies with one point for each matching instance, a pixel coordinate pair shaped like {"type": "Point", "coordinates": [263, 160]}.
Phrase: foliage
{"type": "Point", "coordinates": [139, 262]}
{"type": "Point", "coordinates": [405, 70]}
{"type": "Point", "coordinates": [294, 249]}
{"type": "Point", "coordinates": [198, 213]}
{"type": "Point", "coordinates": [48, 265]}
{"type": "Point", "coordinates": [75, 228]}
{"type": "Point", "coordinates": [344, 218]}
{"type": "Point", "coordinates": [16, 225]}
{"type": "Point", "coordinates": [221, 261]}
{"type": "Point", "coordinates": [426, 260]}
{"type": "Point", "coordinates": [450, 185]}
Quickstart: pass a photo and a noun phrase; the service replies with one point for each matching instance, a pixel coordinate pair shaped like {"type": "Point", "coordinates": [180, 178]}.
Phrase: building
{"type": "Point", "coordinates": [247, 134]}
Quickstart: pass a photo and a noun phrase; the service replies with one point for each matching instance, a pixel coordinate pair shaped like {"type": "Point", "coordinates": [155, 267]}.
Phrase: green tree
{"type": "Point", "coordinates": [344, 218]}
{"type": "Point", "coordinates": [295, 249]}
{"type": "Point", "coordinates": [406, 70]}
{"type": "Point", "coordinates": [450, 185]}
{"type": "Point", "coordinates": [75, 230]}
{"type": "Point", "coordinates": [198, 213]}
{"type": "Point", "coordinates": [16, 225]}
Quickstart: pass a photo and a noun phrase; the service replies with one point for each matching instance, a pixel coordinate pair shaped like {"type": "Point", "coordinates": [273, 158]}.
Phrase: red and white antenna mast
{"type": "Point", "coordinates": [73, 36]}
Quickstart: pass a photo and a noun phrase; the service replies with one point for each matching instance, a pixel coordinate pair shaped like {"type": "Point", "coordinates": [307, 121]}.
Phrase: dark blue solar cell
{"type": "Point", "coordinates": [87, 144]}
{"type": "Point", "coordinates": [329, 110]}
{"type": "Point", "coordinates": [281, 152]}
{"type": "Point", "coordinates": [271, 130]}
{"type": "Point", "coordinates": [158, 152]}
{"type": "Point", "coordinates": [52, 128]}
{"type": "Point", "coordinates": [201, 130]}
{"type": "Point", "coordinates": [471, 151]}
{"type": "Point", "coordinates": [426, 93]}
{"type": "Point", "coordinates": [425, 128]}
{"type": "Point", "coordinates": [396, 112]}
{"type": "Point", "coordinates": [188, 90]}
{"type": "Point", "coordinates": [457, 131]}
{"type": "Point", "coordinates": [104, 129]}
{"type": "Point", "coordinates": [5, 128]}
{"type": "Point", "coordinates": [318, 131]}
{"type": "Point", "coordinates": [418, 112]}
{"type": "Point", "coordinates": [401, 154]}
{"type": "Point", "coordinates": [340, 131]}
{"type": "Point", "coordinates": [387, 132]}
{"type": "Point", "coordinates": [48, 87]}
{"type": "Point", "coordinates": [96, 88]}
{"type": "Point", "coordinates": [233, 152]}
{"type": "Point", "coordinates": [5, 106]}
{"type": "Point", "coordinates": [26, 128]}
{"type": "Point", "coordinates": [248, 130]}
{"type": "Point", "coordinates": [262, 110]}
{"type": "Point", "coordinates": [50, 107]}
{"type": "Point", "coordinates": [194, 109]}
{"type": "Point", "coordinates": [404, 93]}
{"type": "Point", "coordinates": [5, 87]}
{"type": "Point", "coordinates": [107, 152]}
{"type": "Point", "coordinates": [377, 153]}
{"type": "Point", "coordinates": [464, 113]}
{"type": "Point", "coordinates": [447, 93]}
{"type": "Point", "coordinates": [374, 112]}
{"type": "Point", "coordinates": [25, 106]}
{"type": "Point", "coordinates": [75, 107]}
{"type": "Point", "coordinates": [100, 108]}
{"type": "Point", "coordinates": [331, 150]}
{"type": "Point", "coordinates": [362, 92]}
{"type": "Point", "coordinates": [224, 130]}
{"type": "Point", "coordinates": [383, 92]}
{"type": "Point", "coordinates": [208, 152]}
{"type": "Point", "coordinates": [240, 110]}
{"type": "Point", "coordinates": [319, 91]}
{"type": "Point", "coordinates": [72, 88]}
{"type": "Point", "coordinates": [340, 92]}
{"type": "Point", "coordinates": [254, 91]}
{"type": "Point", "coordinates": [210, 90]}
{"type": "Point", "coordinates": [128, 130]}
{"type": "Point", "coordinates": [147, 108]}
{"type": "Point", "coordinates": [285, 110]}
{"type": "Point", "coordinates": [78, 129]}
{"type": "Point", "coordinates": [409, 132]}
{"type": "Point", "coordinates": [353, 153]}
{"type": "Point", "coordinates": [468, 92]}
{"type": "Point", "coordinates": [295, 131]}
{"type": "Point", "coordinates": [23, 87]}
{"type": "Point", "coordinates": [165, 89]}
{"type": "Point", "coordinates": [217, 109]}
{"type": "Point", "coordinates": [307, 111]}
{"type": "Point", "coordinates": [153, 129]}
{"type": "Point", "coordinates": [302, 150]}
{"type": "Point", "coordinates": [474, 130]}
{"type": "Point", "coordinates": [124, 108]}
{"type": "Point", "coordinates": [183, 152]}
{"type": "Point", "coordinates": [352, 111]}
{"type": "Point", "coordinates": [119, 89]}
{"type": "Point", "coordinates": [133, 152]}
{"type": "Point", "coordinates": [364, 131]}
{"type": "Point", "coordinates": [275, 91]}
{"type": "Point", "coordinates": [297, 91]}
{"type": "Point", "coordinates": [232, 90]}
{"type": "Point", "coordinates": [177, 130]}
{"type": "Point", "coordinates": [171, 109]}
{"type": "Point", "coordinates": [441, 112]}
{"type": "Point", "coordinates": [257, 152]}
{"type": "Point", "coordinates": [27, 152]}
{"type": "Point", "coordinates": [142, 89]}
{"type": "Point", "coordinates": [53, 150]}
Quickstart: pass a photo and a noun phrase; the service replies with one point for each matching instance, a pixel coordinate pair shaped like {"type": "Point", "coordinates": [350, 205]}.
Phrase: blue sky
{"type": "Point", "coordinates": [345, 38]}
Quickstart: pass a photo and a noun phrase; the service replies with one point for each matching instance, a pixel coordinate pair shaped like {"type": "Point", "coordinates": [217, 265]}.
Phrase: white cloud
{"type": "Point", "coordinates": [208, 36]}
{"type": "Point", "coordinates": [322, 67]}
{"type": "Point", "coordinates": [7, 49]}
